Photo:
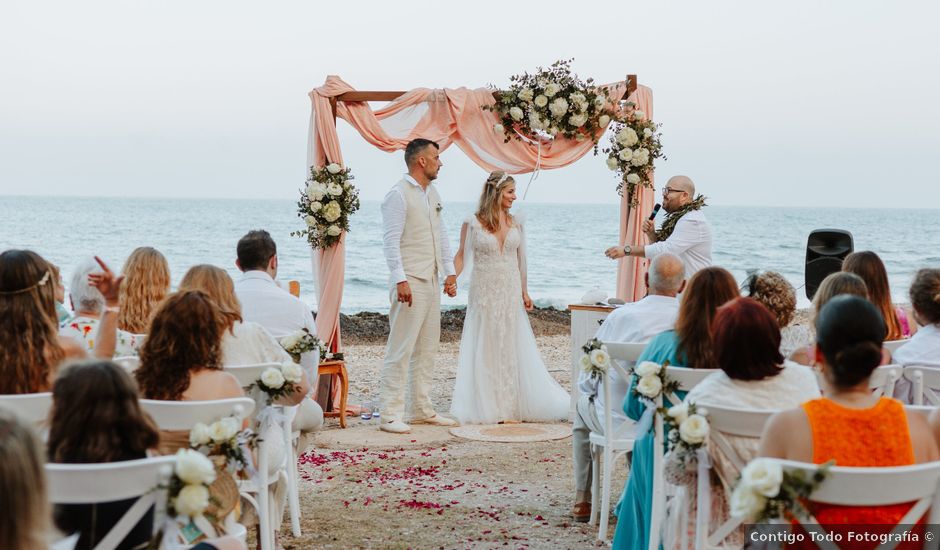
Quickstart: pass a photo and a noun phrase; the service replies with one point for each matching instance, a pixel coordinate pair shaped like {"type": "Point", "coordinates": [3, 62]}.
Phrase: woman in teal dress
{"type": "Point", "coordinates": [689, 344]}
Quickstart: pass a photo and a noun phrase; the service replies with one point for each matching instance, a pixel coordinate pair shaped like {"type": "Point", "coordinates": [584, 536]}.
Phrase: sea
{"type": "Point", "coordinates": [566, 242]}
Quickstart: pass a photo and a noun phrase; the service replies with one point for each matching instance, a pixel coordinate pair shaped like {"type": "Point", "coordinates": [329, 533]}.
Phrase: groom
{"type": "Point", "coordinates": [418, 254]}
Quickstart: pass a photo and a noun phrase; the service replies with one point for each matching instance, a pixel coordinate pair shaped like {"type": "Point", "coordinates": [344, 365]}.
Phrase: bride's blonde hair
{"type": "Point", "coordinates": [488, 211]}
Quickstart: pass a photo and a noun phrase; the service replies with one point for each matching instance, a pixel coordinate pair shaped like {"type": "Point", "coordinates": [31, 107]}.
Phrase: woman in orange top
{"type": "Point", "coordinates": [850, 425]}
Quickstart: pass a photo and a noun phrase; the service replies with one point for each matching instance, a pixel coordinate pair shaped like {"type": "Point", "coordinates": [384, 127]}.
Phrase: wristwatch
{"type": "Point", "coordinates": [627, 249]}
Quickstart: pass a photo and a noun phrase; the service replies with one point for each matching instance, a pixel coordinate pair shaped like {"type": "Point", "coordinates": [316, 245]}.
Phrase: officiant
{"type": "Point", "coordinates": [685, 231]}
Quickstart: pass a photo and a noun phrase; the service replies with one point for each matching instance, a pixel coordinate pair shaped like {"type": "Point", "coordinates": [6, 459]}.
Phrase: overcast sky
{"type": "Point", "coordinates": [788, 103]}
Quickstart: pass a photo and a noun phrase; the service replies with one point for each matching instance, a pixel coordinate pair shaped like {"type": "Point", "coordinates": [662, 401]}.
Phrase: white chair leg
{"type": "Point", "coordinates": [266, 533]}
{"type": "Point", "coordinates": [595, 482]}
{"type": "Point", "coordinates": [605, 494]}
{"type": "Point", "coordinates": [293, 498]}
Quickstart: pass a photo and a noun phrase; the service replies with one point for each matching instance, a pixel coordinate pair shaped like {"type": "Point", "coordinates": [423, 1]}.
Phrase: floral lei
{"type": "Point", "coordinates": [673, 218]}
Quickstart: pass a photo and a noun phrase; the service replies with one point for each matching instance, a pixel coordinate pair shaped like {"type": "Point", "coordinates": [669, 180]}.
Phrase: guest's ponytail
{"type": "Point", "coordinates": [855, 363]}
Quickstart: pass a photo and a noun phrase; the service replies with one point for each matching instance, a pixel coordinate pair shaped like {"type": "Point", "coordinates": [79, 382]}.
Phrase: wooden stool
{"type": "Point", "coordinates": [339, 369]}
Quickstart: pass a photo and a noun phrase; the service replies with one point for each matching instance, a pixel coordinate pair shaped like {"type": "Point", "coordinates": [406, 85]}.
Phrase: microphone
{"type": "Point", "coordinates": [656, 208]}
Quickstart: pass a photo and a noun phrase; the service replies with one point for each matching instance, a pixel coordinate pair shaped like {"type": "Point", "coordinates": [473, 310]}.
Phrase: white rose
{"type": "Point", "coordinates": [311, 221]}
{"type": "Point", "coordinates": [625, 154]}
{"type": "Point", "coordinates": [292, 372]}
{"type": "Point", "coordinates": [586, 363]}
{"type": "Point", "coordinates": [763, 477]}
{"type": "Point", "coordinates": [193, 467]}
{"type": "Point", "coordinates": [332, 211]}
{"type": "Point", "coordinates": [558, 107]}
{"type": "Point", "coordinates": [612, 163]}
{"type": "Point", "coordinates": [746, 503]}
{"type": "Point", "coordinates": [694, 429]}
{"type": "Point", "coordinates": [498, 128]}
{"type": "Point", "coordinates": [647, 132]}
{"type": "Point", "coordinates": [633, 179]}
{"type": "Point", "coordinates": [639, 114]}
{"type": "Point", "coordinates": [541, 100]}
{"type": "Point", "coordinates": [291, 339]}
{"type": "Point", "coordinates": [603, 121]}
{"type": "Point", "coordinates": [334, 168]}
{"type": "Point", "coordinates": [647, 368]}
{"type": "Point", "coordinates": [315, 206]}
{"type": "Point", "coordinates": [526, 94]}
{"type": "Point", "coordinates": [552, 89]}
{"type": "Point", "coordinates": [199, 435]}
{"type": "Point", "coordinates": [192, 500]}
{"type": "Point", "coordinates": [600, 101]}
{"type": "Point", "coordinates": [312, 188]}
{"type": "Point", "coordinates": [224, 429]}
{"type": "Point", "coordinates": [577, 120]}
{"type": "Point", "coordinates": [639, 160]}
{"type": "Point", "coordinates": [600, 358]}
{"type": "Point", "coordinates": [272, 378]}
{"type": "Point", "coordinates": [335, 189]}
{"type": "Point", "coordinates": [333, 231]}
{"type": "Point", "coordinates": [627, 137]}
{"type": "Point", "coordinates": [650, 386]}
{"type": "Point", "coordinates": [577, 97]}
{"type": "Point", "coordinates": [535, 122]}
{"type": "Point", "coordinates": [679, 413]}
{"type": "Point", "coordinates": [516, 113]}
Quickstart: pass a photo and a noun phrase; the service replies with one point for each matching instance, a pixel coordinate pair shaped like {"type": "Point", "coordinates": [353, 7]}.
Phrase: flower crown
{"type": "Point", "coordinates": [42, 282]}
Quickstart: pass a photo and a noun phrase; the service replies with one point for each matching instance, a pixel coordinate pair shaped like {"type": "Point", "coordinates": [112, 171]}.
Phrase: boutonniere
{"type": "Point", "coordinates": [439, 208]}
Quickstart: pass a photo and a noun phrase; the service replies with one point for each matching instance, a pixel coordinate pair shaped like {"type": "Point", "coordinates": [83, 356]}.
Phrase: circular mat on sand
{"type": "Point", "coordinates": [512, 433]}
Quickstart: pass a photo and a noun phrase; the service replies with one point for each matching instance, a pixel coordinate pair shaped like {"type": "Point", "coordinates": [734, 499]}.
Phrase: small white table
{"type": "Point", "coordinates": [585, 320]}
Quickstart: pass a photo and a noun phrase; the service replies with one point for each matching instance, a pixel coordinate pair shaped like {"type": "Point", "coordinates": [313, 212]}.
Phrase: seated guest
{"type": "Point", "coordinates": [850, 425]}
{"type": "Point", "coordinates": [24, 522]}
{"type": "Point", "coordinates": [835, 284]}
{"type": "Point", "coordinates": [871, 269]}
{"type": "Point", "coordinates": [776, 293]}
{"type": "Point", "coordinates": [688, 345]}
{"type": "Point", "coordinates": [88, 304]}
{"type": "Point", "coordinates": [262, 300]}
{"type": "Point", "coordinates": [96, 418]}
{"type": "Point", "coordinates": [752, 376]}
{"type": "Point", "coordinates": [635, 322]}
{"type": "Point", "coordinates": [146, 283]}
{"type": "Point", "coordinates": [246, 343]}
{"type": "Point", "coordinates": [30, 347]}
{"type": "Point", "coordinates": [924, 347]}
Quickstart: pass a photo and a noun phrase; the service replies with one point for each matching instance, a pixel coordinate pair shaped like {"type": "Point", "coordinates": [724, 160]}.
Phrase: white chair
{"type": "Point", "coordinates": [687, 379]}
{"type": "Point", "coordinates": [247, 375]}
{"type": "Point", "coordinates": [144, 479]}
{"type": "Point", "coordinates": [884, 378]}
{"type": "Point", "coordinates": [183, 415]}
{"type": "Point", "coordinates": [925, 377]}
{"type": "Point", "coordinates": [32, 408]}
{"type": "Point", "coordinates": [612, 444]}
{"type": "Point", "coordinates": [893, 345]}
{"type": "Point", "coordinates": [129, 363]}
{"type": "Point", "coordinates": [724, 421]}
{"type": "Point", "coordinates": [846, 486]}
{"type": "Point", "coordinates": [923, 410]}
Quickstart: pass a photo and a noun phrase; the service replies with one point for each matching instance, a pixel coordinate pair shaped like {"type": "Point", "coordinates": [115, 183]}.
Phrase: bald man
{"type": "Point", "coordinates": [691, 240]}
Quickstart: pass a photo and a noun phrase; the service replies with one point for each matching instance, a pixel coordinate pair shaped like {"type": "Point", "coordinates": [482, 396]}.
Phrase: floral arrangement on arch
{"type": "Point", "coordinates": [552, 102]}
{"type": "Point", "coordinates": [635, 142]}
{"type": "Point", "coordinates": [326, 204]}
{"type": "Point", "coordinates": [300, 342]}
{"type": "Point", "coordinates": [650, 380]}
{"type": "Point", "coordinates": [765, 491]}
{"type": "Point", "coordinates": [595, 360]}
{"type": "Point", "coordinates": [281, 380]}
{"type": "Point", "coordinates": [224, 438]}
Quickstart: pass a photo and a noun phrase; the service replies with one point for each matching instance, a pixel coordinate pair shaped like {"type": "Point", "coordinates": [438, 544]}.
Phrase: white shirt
{"type": "Point", "coordinates": [633, 322]}
{"type": "Point", "coordinates": [923, 349]}
{"type": "Point", "coordinates": [691, 240]}
{"type": "Point", "coordinates": [249, 344]}
{"type": "Point", "coordinates": [393, 212]}
{"type": "Point", "coordinates": [272, 307]}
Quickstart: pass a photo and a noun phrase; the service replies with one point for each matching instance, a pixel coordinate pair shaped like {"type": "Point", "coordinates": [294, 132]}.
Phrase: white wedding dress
{"type": "Point", "coordinates": [500, 373]}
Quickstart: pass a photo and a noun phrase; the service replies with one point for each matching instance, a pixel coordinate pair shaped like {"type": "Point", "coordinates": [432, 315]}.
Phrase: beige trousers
{"type": "Point", "coordinates": [413, 340]}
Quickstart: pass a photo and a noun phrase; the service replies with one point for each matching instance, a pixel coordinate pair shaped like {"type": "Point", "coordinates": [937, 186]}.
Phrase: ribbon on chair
{"type": "Point", "coordinates": [645, 423]}
{"type": "Point", "coordinates": [171, 534]}
{"type": "Point", "coordinates": [703, 498]}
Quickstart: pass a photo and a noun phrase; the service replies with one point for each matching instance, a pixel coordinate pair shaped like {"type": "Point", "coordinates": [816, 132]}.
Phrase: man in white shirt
{"type": "Point", "coordinates": [691, 239]}
{"type": "Point", "coordinates": [418, 254]}
{"type": "Point", "coordinates": [634, 322]}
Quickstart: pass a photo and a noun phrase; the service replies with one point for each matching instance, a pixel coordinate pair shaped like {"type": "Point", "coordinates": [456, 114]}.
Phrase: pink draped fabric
{"type": "Point", "coordinates": [448, 116]}
{"type": "Point", "coordinates": [630, 285]}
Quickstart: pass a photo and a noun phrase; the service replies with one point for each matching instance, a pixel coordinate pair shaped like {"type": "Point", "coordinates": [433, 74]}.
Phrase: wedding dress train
{"type": "Point", "coordinates": [500, 373]}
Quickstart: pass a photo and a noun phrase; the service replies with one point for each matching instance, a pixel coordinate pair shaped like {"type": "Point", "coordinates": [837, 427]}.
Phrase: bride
{"type": "Point", "coordinates": [500, 374]}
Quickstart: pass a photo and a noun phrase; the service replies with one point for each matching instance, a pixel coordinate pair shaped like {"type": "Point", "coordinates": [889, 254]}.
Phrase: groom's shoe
{"type": "Point", "coordinates": [395, 427]}
{"type": "Point", "coordinates": [437, 420]}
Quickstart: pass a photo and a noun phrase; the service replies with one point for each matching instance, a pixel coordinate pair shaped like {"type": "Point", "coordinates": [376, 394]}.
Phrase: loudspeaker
{"type": "Point", "coordinates": [825, 250]}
